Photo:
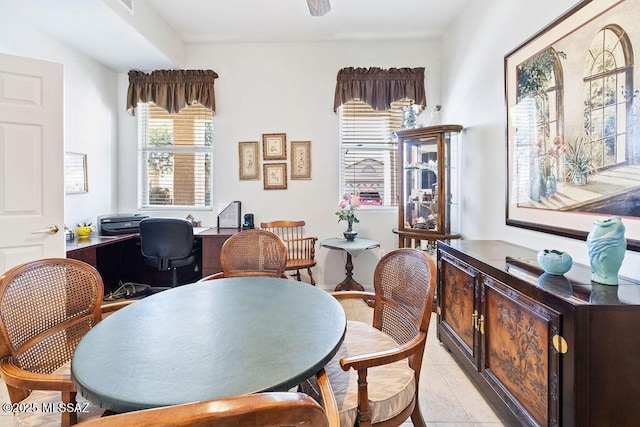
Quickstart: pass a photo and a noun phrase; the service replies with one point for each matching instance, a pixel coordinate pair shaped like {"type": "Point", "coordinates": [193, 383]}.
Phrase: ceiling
{"type": "Point", "coordinates": [290, 20]}
{"type": "Point", "coordinates": [110, 33]}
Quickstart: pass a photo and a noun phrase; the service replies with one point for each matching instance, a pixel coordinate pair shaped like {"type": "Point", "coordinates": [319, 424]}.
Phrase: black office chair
{"type": "Point", "coordinates": [167, 243]}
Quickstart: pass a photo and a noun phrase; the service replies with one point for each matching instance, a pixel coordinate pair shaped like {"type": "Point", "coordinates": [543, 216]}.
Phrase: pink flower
{"type": "Point", "coordinates": [343, 204]}
{"type": "Point", "coordinates": [346, 196]}
{"type": "Point", "coordinates": [355, 201]}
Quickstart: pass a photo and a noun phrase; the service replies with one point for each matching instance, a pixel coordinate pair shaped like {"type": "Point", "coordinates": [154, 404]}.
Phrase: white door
{"type": "Point", "coordinates": [31, 160]}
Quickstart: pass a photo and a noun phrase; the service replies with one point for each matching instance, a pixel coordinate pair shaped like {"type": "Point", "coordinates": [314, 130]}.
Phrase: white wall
{"type": "Point", "coordinates": [90, 125]}
{"type": "Point", "coordinates": [289, 88]}
{"type": "Point", "coordinates": [473, 95]}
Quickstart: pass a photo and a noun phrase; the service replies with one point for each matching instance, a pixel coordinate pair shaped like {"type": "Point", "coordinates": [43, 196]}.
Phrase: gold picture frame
{"type": "Point", "coordinates": [274, 146]}
{"type": "Point", "coordinates": [275, 176]}
{"type": "Point", "coordinates": [249, 160]}
{"type": "Point", "coordinates": [75, 173]}
{"type": "Point", "coordinates": [300, 159]}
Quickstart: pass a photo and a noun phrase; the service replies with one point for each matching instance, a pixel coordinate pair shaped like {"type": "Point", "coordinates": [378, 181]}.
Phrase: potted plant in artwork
{"type": "Point", "coordinates": [578, 162]}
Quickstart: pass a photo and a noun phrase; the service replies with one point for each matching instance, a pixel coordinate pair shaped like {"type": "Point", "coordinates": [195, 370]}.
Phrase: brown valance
{"type": "Point", "coordinates": [172, 90]}
{"type": "Point", "coordinates": [379, 87]}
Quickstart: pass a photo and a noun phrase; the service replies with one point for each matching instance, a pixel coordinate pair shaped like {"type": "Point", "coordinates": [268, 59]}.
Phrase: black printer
{"type": "Point", "coordinates": [114, 224]}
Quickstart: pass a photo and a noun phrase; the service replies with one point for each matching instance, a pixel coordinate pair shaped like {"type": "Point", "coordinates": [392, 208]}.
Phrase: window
{"type": "Point", "coordinates": [608, 78]}
{"type": "Point", "coordinates": [174, 157]}
{"type": "Point", "coordinates": [368, 155]}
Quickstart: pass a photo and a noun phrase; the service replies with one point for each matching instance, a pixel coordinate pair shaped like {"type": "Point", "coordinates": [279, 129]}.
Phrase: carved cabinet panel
{"type": "Point", "coordinates": [518, 359]}
{"type": "Point", "coordinates": [457, 303]}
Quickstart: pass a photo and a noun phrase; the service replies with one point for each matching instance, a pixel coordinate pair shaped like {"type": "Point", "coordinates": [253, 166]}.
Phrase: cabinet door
{"type": "Point", "coordinates": [457, 304]}
{"type": "Point", "coordinates": [518, 357]}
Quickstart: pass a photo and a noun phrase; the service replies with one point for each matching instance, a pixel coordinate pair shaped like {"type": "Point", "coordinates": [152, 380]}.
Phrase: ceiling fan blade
{"type": "Point", "coordinates": [318, 7]}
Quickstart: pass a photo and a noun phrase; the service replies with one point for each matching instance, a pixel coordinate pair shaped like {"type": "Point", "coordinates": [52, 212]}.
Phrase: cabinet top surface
{"type": "Point", "coordinates": [520, 263]}
{"type": "Point", "coordinates": [427, 131]}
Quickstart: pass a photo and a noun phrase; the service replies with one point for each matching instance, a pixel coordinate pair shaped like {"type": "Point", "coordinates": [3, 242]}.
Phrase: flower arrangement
{"type": "Point", "coordinates": [348, 209]}
{"type": "Point", "coordinates": [552, 158]}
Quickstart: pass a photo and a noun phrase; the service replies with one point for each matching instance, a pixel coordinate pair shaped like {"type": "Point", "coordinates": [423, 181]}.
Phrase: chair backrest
{"type": "Point", "coordinates": [292, 233]}
{"type": "Point", "coordinates": [253, 410]}
{"type": "Point", "coordinates": [404, 282]}
{"type": "Point", "coordinates": [165, 239]}
{"type": "Point", "coordinates": [46, 307]}
{"type": "Point", "coordinates": [253, 253]}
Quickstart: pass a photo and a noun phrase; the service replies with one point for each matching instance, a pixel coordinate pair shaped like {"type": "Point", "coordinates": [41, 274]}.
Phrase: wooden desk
{"type": "Point", "coordinates": [208, 340]}
{"type": "Point", "coordinates": [119, 257]}
{"type": "Point", "coordinates": [212, 241]}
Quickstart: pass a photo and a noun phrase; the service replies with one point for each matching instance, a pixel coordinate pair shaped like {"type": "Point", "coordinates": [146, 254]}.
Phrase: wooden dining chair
{"type": "Point", "coordinates": [268, 409]}
{"type": "Point", "coordinates": [301, 250]}
{"type": "Point", "coordinates": [252, 253]}
{"type": "Point", "coordinates": [375, 374]}
{"type": "Point", "coordinates": [46, 307]}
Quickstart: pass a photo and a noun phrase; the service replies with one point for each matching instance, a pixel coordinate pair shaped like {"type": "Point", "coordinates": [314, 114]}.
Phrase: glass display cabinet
{"type": "Point", "coordinates": [428, 208]}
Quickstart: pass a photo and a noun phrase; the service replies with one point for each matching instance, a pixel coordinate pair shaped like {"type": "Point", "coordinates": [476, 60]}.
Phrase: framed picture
{"type": "Point", "coordinates": [573, 122]}
{"type": "Point", "coordinates": [300, 159]}
{"type": "Point", "coordinates": [274, 146]}
{"type": "Point", "coordinates": [249, 160]}
{"type": "Point", "coordinates": [75, 173]}
{"type": "Point", "coordinates": [275, 176]}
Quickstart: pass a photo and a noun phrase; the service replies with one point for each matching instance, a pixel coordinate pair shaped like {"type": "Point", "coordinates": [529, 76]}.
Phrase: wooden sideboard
{"type": "Point", "coordinates": [545, 350]}
{"type": "Point", "coordinates": [119, 258]}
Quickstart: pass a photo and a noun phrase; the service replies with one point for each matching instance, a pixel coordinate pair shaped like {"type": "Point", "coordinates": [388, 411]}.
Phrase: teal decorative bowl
{"type": "Point", "coordinates": [554, 261]}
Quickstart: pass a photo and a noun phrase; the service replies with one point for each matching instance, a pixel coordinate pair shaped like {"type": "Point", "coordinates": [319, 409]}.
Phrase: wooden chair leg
{"type": "Point", "coordinates": [298, 275]}
{"type": "Point", "coordinates": [313, 282]}
{"type": "Point", "coordinates": [416, 416]}
{"type": "Point", "coordinates": [69, 418]}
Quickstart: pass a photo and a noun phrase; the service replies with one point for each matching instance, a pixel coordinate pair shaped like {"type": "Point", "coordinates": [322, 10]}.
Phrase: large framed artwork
{"type": "Point", "coordinates": [573, 122]}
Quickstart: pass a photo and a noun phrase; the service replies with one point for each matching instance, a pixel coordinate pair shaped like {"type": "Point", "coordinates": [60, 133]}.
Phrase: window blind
{"type": "Point", "coordinates": [368, 159]}
{"type": "Point", "coordinates": [175, 157]}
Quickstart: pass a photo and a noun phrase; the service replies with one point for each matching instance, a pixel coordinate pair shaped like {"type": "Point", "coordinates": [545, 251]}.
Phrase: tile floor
{"type": "Point", "coordinates": [447, 397]}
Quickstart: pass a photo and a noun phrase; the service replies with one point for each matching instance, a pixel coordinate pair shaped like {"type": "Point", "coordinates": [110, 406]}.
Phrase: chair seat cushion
{"type": "Point", "coordinates": [391, 387]}
{"type": "Point", "coordinates": [40, 403]}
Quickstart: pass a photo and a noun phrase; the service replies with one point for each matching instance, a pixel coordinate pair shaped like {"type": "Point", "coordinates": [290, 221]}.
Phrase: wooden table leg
{"type": "Point", "coordinates": [349, 284]}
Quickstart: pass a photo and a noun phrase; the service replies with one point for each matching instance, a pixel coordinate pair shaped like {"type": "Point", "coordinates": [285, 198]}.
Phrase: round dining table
{"type": "Point", "coordinates": [208, 340]}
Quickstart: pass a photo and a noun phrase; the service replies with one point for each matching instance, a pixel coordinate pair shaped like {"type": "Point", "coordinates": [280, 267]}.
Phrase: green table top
{"type": "Point", "coordinates": [208, 340]}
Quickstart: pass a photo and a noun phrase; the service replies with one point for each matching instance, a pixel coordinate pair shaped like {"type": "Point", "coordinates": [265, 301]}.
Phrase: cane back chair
{"type": "Point", "coordinates": [267, 409]}
{"type": "Point", "coordinates": [46, 307]}
{"type": "Point", "coordinates": [375, 374]}
{"type": "Point", "coordinates": [300, 249]}
{"type": "Point", "coordinates": [252, 253]}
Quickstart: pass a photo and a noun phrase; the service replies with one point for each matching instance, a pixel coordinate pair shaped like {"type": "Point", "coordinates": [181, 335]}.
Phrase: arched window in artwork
{"type": "Point", "coordinates": [608, 85]}
{"type": "Point", "coordinates": [540, 87]}
{"type": "Point", "coordinates": [540, 78]}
